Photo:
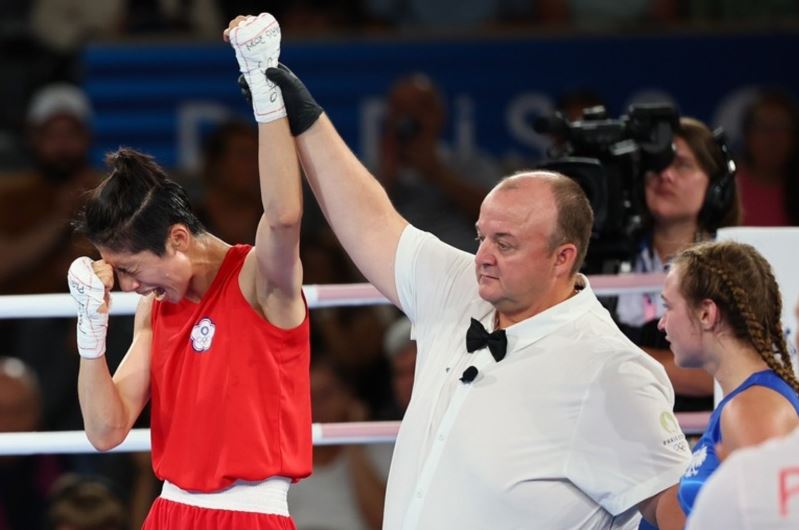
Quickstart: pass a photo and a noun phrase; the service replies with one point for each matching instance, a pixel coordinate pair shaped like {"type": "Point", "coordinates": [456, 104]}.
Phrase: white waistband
{"type": "Point", "coordinates": [267, 496]}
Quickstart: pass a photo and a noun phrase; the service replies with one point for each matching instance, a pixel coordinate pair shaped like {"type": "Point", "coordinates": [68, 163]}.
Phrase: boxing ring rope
{"type": "Point", "coordinates": [367, 432]}
{"type": "Point", "coordinates": [69, 442]}
{"type": "Point", "coordinates": [333, 295]}
{"type": "Point", "coordinates": [61, 305]}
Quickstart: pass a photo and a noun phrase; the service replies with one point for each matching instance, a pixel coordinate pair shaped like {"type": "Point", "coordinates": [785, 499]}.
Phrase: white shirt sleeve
{"type": "Point", "coordinates": [627, 445]}
{"type": "Point", "coordinates": [718, 504]}
{"type": "Point", "coordinates": [430, 276]}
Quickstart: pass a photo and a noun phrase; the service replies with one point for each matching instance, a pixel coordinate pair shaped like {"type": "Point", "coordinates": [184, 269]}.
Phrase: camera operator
{"type": "Point", "coordinates": [657, 183]}
{"type": "Point", "coordinates": [685, 203]}
{"type": "Point", "coordinates": [434, 188]}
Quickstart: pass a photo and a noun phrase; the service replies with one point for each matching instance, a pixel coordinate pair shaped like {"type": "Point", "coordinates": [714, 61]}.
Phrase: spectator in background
{"type": "Point", "coordinates": [768, 180]}
{"type": "Point", "coordinates": [37, 245]}
{"type": "Point", "coordinates": [48, 345]}
{"type": "Point", "coordinates": [311, 17]}
{"type": "Point", "coordinates": [433, 188]}
{"type": "Point", "coordinates": [198, 18]}
{"type": "Point", "coordinates": [86, 503]}
{"type": "Point", "coordinates": [348, 484]}
{"type": "Point", "coordinates": [685, 203]}
{"type": "Point", "coordinates": [333, 328]}
{"type": "Point", "coordinates": [37, 205]}
{"type": "Point", "coordinates": [448, 15]}
{"type": "Point", "coordinates": [736, 11]}
{"type": "Point", "coordinates": [362, 359]}
{"type": "Point", "coordinates": [593, 14]}
{"type": "Point", "coordinates": [66, 25]}
{"type": "Point", "coordinates": [327, 263]}
{"type": "Point", "coordinates": [303, 17]}
{"type": "Point", "coordinates": [24, 480]}
{"type": "Point", "coordinates": [26, 64]}
{"type": "Point", "coordinates": [36, 242]}
{"type": "Point", "coordinates": [231, 203]}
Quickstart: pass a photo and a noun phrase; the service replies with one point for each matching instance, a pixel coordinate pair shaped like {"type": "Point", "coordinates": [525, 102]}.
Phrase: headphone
{"type": "Point", "coordinates": [721, 190]}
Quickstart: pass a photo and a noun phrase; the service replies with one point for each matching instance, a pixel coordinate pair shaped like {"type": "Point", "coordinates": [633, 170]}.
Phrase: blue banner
{"type": "Point", "coordinates": [160, 98]}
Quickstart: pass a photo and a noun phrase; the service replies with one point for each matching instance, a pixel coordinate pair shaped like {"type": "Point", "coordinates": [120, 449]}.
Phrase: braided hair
{"type": "Point", "coordinates": [741, 283]}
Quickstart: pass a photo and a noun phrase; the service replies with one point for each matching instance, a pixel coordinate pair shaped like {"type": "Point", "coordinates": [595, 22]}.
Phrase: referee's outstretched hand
{"type": "Point", "coordinates": [301, 107]}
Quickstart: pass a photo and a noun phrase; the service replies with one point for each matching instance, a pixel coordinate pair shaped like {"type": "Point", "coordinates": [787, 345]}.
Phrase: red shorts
{"type": "Point", "coordinates": [170, 515]}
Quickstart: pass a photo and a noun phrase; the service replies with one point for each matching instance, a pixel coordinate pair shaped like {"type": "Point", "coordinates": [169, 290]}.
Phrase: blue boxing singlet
{"type": "Point", "coordinates": [704, 460]}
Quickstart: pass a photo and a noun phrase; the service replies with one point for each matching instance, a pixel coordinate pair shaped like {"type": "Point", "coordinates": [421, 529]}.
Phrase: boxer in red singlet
{"type": "Point", "coordinates": [221, 339]}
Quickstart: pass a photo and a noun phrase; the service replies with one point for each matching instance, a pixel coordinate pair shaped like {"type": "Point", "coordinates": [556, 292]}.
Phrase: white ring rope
{"type": "Point", "coordinates": [355, 294]}
{"type": "Point", "coordinates": [69, 442]}
{"type": "Point", "coordinates": [332, 295]}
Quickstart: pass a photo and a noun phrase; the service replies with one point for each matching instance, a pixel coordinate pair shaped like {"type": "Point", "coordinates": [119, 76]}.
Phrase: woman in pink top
{"type": "Point", "coordinates": [768, 179]}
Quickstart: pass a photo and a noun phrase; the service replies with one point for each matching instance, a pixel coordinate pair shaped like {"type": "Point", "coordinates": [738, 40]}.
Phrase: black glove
{"type": "Point", "coordinates": [301, 108]}
{"type": "Point", "coordinates": [245, 89]}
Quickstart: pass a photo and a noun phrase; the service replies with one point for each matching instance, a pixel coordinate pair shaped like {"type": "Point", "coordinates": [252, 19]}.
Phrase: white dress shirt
{"type": "Point", "coordinates": [571, 430]}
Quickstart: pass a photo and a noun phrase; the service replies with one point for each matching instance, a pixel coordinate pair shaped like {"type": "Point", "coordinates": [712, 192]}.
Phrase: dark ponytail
{"type": "Point", "coordinates": [133, 209]}
{"type": "Point", "coordinates": [132, 168]}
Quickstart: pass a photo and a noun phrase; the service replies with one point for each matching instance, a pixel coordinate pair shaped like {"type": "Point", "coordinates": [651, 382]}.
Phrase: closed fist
{"type": "Point", "coordinates": [105, 272]}
{"type": "Point", "coordinates": [90, 285]}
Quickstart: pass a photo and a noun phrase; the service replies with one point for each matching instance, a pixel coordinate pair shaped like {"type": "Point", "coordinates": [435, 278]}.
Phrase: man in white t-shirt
{"type": "Point", "coordinates": [554, 420]}
{"type": "Point", "coordinates": [756, 488]}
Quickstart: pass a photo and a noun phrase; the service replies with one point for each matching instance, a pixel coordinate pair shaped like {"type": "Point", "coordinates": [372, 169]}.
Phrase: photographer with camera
{"type": "Point", "coordinates": [685, 203]}
{"type": "Point", "coordinates": [434, 187]}
{"type": "Point", "coordinates": [657, 183]}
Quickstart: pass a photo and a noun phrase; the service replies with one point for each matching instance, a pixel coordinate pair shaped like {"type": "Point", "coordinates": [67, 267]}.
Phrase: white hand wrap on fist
{"type": "Point", "coordinates": [256, 41]}
{"type": "Point", "coordinates": [88, 291]}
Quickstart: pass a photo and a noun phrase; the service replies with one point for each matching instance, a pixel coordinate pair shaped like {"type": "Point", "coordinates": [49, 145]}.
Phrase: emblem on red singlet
{"type": "Point", "coordinates": [202, 335]}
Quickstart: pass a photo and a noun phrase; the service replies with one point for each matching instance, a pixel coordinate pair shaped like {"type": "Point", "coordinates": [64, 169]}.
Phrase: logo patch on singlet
{"type": "Point", "coordinates": [697, 459]}
{"type": "Point", "coordinates": [202, 335]}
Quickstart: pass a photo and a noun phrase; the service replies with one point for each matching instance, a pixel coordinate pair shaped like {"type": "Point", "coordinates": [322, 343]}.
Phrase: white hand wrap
{"type": "Point", "coordinates": [256, 41]}
{"type": "Point", "coordinates": [89, 293]}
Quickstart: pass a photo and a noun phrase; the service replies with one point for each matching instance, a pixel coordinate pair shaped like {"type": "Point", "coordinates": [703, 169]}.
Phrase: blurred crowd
{"type": "Point", "coordinates": [202, 18]}
{"type": "Point", "coordinates": [363, 357]}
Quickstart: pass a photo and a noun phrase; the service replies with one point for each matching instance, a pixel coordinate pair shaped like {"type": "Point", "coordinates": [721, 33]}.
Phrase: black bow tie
{"type": "Point", "coordinates": [477, 338]}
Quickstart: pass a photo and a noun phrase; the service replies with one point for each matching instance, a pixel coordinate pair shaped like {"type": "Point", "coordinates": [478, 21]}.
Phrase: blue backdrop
{"type": "Point", "coordinates": [160, 98]}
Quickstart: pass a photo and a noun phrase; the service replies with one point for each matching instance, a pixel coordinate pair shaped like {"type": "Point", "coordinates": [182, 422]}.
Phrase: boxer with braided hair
{"type": "Point", "coordinates": [723, 311]}
{"type": "Point", "coordinates": [742, 284]}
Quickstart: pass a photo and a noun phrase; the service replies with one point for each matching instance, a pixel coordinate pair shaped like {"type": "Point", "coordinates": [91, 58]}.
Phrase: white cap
{"type": "Point", "coordinates": [397, 336]}
{"type": "Point", "coordinates": [59, 98]}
